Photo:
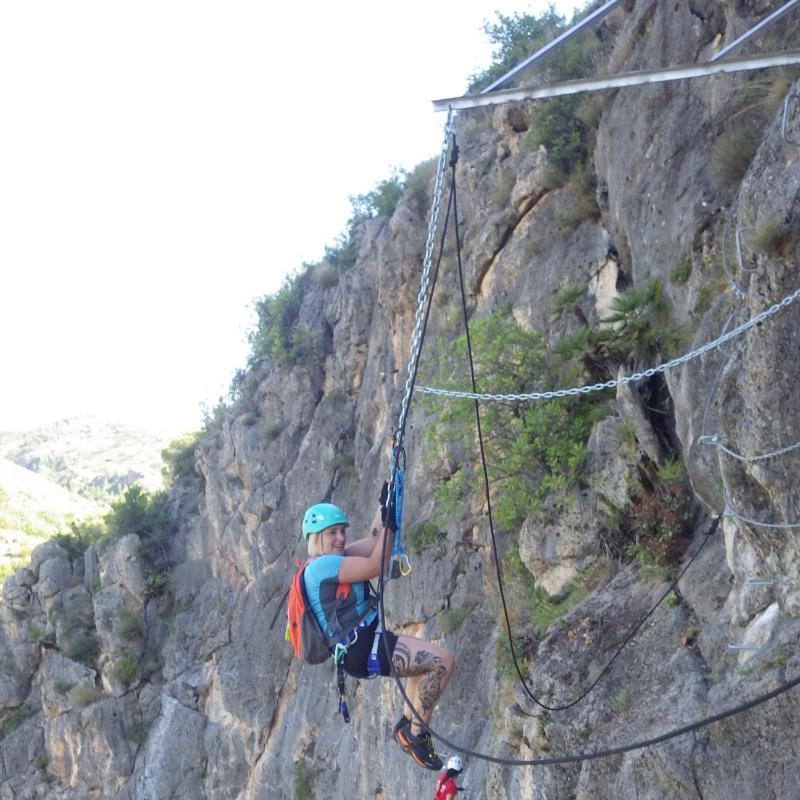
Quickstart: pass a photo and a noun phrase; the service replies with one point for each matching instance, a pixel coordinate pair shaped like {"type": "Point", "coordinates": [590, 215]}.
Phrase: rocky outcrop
{"type": "Point", "coordinates": [112, 688]}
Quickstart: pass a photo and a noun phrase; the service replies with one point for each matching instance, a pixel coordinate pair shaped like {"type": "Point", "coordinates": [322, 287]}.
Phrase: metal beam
{"type": "Point", "coordinates": [619, 81]}
{"type": "Point", "coordinates": [756, 29]}
{"type": "Point", "coordinates": [560, 40]}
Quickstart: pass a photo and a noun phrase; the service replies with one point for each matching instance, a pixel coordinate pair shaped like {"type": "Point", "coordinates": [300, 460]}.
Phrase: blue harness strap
{"type": "Point", "coordinates": [400, 564]}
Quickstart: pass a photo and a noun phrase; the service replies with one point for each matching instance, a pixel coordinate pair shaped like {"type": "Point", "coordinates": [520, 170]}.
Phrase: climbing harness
{"type": "Point", "coordinates": [373, 661]}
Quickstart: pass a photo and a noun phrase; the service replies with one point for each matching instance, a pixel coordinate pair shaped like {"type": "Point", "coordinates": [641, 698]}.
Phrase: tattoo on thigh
{"type": "Point", "coordinates": [423, 662]}
{"type": "Point", "coordinates": [401, 659]}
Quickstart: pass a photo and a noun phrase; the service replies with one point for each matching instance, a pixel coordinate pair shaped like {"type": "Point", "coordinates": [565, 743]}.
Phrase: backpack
{"type": "Point", "coordinates": [308, 641]}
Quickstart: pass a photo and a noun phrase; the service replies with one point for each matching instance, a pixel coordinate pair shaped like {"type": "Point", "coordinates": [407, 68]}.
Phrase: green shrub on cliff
{"type": "Point", "coordinates": [178, 458]}
{"type": "Point", "coordinates": [533, 449]}
{"type": "Point", "coordinates": [380, 201]}
{"type": "Point", "coordinates": [563, 125]}
{"type": "Point", "coordinates": [279, 335]}
{"type": "Point", "coordinates": [518, 36]}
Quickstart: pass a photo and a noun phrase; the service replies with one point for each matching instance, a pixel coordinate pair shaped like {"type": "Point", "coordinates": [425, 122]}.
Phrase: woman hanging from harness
{"type": "Point", "coordinates": [337, 584]}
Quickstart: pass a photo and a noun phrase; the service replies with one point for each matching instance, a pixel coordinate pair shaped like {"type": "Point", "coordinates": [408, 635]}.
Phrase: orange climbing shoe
{"type": "Point", "coordinates": [402, 732]}
{"type": "Point", "coordinates": [421, 750]}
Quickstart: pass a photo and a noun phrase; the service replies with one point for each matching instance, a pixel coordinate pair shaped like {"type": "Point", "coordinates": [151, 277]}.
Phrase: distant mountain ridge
{"type": "Point", "coordinates": [70, 470]}
{"type": "Point", "coordinates": [89, 456]}
{"type": "Point", "coordinates": [32, 509]}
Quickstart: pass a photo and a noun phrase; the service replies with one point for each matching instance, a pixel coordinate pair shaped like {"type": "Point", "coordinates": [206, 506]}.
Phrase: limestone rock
{"type": "Point", "coordinates": [54, 576]}
{"type": "Point", "coordinates": [172, 761]}
{"type": "Point", "coordinates": [44, 552]}
{"type": "Point", "coordinates": [59, 676]}
{"type": "Point", "coordinates": [128, 567]}
{"type": "Point", "coordinates": [555, 549]}
{"type": "Point", "coordinates": [610, 460]}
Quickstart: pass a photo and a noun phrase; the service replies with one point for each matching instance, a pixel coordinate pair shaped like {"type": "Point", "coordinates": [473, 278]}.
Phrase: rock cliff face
{"type": "Point", "coordinates": [109, 692]}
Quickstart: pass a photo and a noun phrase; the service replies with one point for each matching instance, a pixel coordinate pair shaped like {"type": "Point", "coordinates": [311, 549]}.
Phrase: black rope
{"type": "Point", "coordinates": [644, 619]}
{"type": "Point", "coordinates": [487, 495]}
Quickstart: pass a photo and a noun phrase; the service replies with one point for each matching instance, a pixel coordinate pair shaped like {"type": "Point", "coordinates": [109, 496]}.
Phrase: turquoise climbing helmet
{"type": "Point", "coordinates": [321, 516]}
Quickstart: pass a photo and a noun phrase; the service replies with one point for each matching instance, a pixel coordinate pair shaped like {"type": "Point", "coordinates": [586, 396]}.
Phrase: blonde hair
{"type": "Point", "coordinates": [314, 544]}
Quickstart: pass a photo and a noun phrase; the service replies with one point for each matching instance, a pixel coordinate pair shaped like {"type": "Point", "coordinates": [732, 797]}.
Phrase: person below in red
{"type": "Point", "coordinates": [445, 785]}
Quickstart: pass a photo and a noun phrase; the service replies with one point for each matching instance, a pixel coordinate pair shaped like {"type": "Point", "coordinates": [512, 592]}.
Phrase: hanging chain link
{"type": "Point", "coordinates": [636, 376]}
{"type": "Point", "coordinates": [416, 339]}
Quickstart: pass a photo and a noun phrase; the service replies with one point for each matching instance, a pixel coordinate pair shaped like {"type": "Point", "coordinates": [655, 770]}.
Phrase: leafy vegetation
{"type": "Point", "coordinates": [84, 695]}
{"type": "Point", "coordinates": [656, 527]}
{"type": "Point", "coordinates": [128, 626]}
{"type": "Point", "coordinates": [178, 458]}
{"type": "Point", "coordinates": [680, 274]}
{"type": "Point", "coordinates": [563, 125]}
{"type": "Point", "coordinates": [81, 645]}
{"type": "Point", "coordinates": [422, 537]}
{"type": "Point", "coordinates": [156, 583]}
{"type": "Point", "coordinates": [753, 107]}
{"type": "Point", "coordinates": [279, 334]}
{"type": "Point", "coordinates": [531, 612]}
{"type": "Point", "coordinates": [638, 327]}
{"type": "Point", "coordinates": [566, 299]}
{"type": "Point", "coordinates": [380, 201]}
{"type": "Point", "coordinates": [417, 185]}
{"type": "Point", "coordinates": [126, 668]}
{"type": "Point", "coordinates": [81, 536]}
{"type": "Point", "coordinates": [637, 330]}
{"type": "Point", "coordinates": [304, 781]}
{"type": "Point", "coordinates": [13, 719]}
{"type": "Point", "coordinates": [776, 239]}
{"type": "Point", "coordinates": [733, 151]}
{"type": "Point", "coordinates": [518, 36]}
{"type": "Point", "coordinates": [451, 619]}
{"type": "Point", "coordinates": [532, 449]}
{"type": "Point", "coordinates": [621, 702]}
{"type": "Point", "coordinates": [139, 512]}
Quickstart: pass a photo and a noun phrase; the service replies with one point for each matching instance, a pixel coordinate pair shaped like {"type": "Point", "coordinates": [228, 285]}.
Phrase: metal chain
{"type": "Point", "coordinates": [730, 511]}
{"type": "Point", "coordinates": [718, 377]}
{"type": "Point", "coordinates": [610, 384]}
{"type": "Point", "coordinates": [714, 439]}
{"type": "Point", "coordinates": [789, 97]}
{"type": "Point", "coordinates": [416, 340]}
{"type": "Point", "coordinates": [735, 288]}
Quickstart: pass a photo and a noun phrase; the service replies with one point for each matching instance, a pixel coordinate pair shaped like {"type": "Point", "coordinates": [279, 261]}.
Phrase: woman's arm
{"type": "Point", "coordinates": [364, 547]}
{"type": "Point", "coordinates": [356, 568]}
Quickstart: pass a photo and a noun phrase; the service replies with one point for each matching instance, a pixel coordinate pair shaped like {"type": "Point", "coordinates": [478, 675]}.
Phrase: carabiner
{"type": "Point", "coordinates": [405, 565]}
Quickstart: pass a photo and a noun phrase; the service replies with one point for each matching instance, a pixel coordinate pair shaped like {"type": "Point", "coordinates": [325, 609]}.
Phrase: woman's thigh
{"type": "Point", "coordinates": [414, 656]}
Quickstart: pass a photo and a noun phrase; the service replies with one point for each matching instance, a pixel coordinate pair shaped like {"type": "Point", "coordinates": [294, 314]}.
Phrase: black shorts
{"type": "Point", "coordinates": [355, 662]}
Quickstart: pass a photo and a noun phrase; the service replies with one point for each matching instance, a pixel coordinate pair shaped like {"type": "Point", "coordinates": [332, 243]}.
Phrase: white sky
{"type": "Point", "coordinates": [163, 164]}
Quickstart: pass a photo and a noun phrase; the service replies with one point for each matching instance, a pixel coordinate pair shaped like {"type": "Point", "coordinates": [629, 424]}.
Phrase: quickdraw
{"type": "Point", "coordinates": [400, 565]}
